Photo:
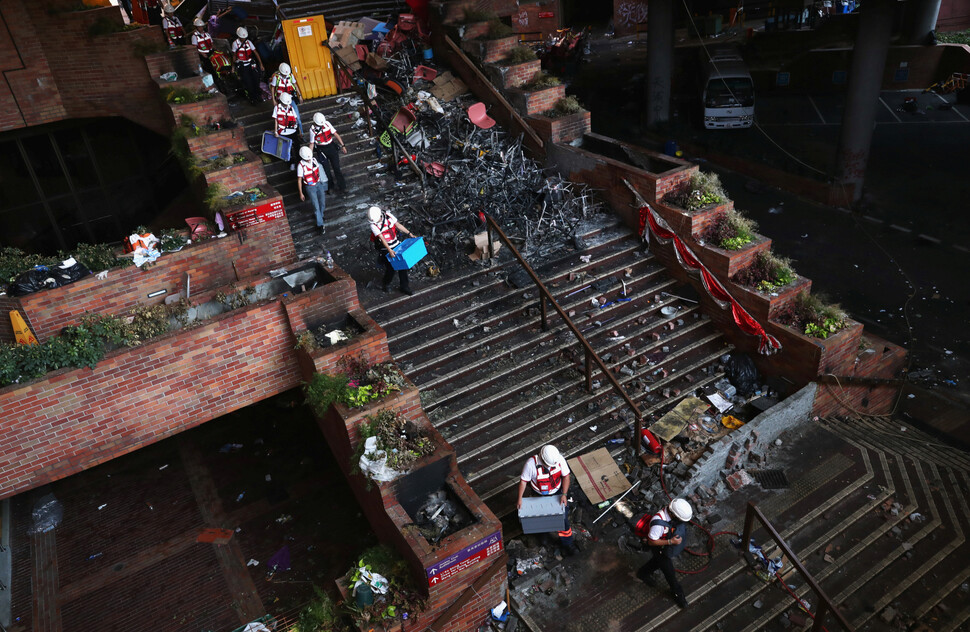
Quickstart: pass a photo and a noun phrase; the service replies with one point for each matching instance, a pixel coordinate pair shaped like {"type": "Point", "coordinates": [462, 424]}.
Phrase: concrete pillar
{"type": "Point", "coordinates": [923, 15]}
{"type": "Point", "coordinates": [862, 99]}
{"type": "Point", "coordinates": [660, 55]}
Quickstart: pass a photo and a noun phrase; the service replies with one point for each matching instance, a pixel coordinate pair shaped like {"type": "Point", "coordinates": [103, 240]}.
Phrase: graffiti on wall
{"type": "Point", "coordinates": [630, 14]}
{"type": "Point", "coordinates": [522, 18]}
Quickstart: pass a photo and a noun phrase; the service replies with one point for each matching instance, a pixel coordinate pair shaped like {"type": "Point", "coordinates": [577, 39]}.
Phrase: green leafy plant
{"type": "Point", "coordinates": [236, 299]}
{"type": "Point", "coordinates": [813, 316]}
{"type": "Point", "coordinates": [704, 190]}
{"type": "Point", "coordinates": [498, 30]}
{"type": "Point", "coordinates": [97, 257]}
{"type": "Point", "coordinates": [324, 389]}
{"type": "Point", "coordinates": [172, 240]}
{"type": "Point", "coordinates": [954, 37]}
{"type": "Point", "coordinates": [306, 342]}
{"type": "Point", "coordinates": [564, 107]}
{"type": "Point", "coordinates": [401, 598]}
{"type": "Point", "coordinates": [399, 438]}
{"type": "Point", "coordinates": [730, 230]}
{"type": "Point", "coordinates": [13, 261]}
{"type": "Point", "coordinates": [216, 198]}
{"type": "Point", "coordinates": [181, 94]}
{"type": "Point", "coordinates": [541, 81]}
{"type": "Point", "coordinates": [519, 55]}
{"type": "Point", "coordinates": [766, 273]}
{"type": "Point", "coordinates": [320, 615]}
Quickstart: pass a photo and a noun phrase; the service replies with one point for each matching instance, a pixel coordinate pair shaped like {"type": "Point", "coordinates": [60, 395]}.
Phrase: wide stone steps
{"type": "Point", "coordinates": [368, 182]}
{"type": "Point", "coordinates": [337, 10]}
{"type": "Point", "coordinates": [499, 387]}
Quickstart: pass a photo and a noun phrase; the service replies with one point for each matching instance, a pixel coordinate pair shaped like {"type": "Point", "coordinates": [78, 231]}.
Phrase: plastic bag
{"type": "Point", "coordinates": [373, 463]}
{"type": "Point", "coordinates": [742, 373]}
{"type": "Point", "coordinates": [47, 514]}
{"type": "Point", "coordinates": [34, 280]}
{"type": "Point", "coordinates": [71, 270]}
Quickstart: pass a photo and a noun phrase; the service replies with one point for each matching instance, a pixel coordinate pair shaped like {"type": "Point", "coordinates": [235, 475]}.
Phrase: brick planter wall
{"type": "Point", "coordinates": [880, 359]}
{"type": "Point", "coordinates": [563, 129]}
{"type": "Point", "coordinates": [182, 60]}
{"type": "Point", "coordinates": [225, 141]}
{"type": "Point", "coordinates": [526, 19]}
{"type": "Point", "coordinates": [513, 75]}
{"type": "Point", "coordinates": [764, 306]}
{"type": "Point", "coordinates": [804, 358]}
{"type": "Point", "coordinates": [71, 420]}
{"type": "Point", "coordinates": [536, 101]}
{"type": "Point", "coordinates": [489, 50]}
{"type": "Point", "coordinates": [239, 176]}
{"type": "Point", "coordinates": [452, 11]}
{"type": "Point", "coordinates": [205, 112]}
{"type": "Point", "coordinates": [726, 263]}
{"type": "Point", "coordinates": [209, 262]}
{"type": "Point", "coordinates": [473, 30]}
{"type": "Point", "coordinates": [687, 224]}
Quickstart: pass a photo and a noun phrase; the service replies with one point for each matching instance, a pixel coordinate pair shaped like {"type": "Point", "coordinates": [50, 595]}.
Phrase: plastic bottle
{"type": "Point", "coordinates": [329, 261]}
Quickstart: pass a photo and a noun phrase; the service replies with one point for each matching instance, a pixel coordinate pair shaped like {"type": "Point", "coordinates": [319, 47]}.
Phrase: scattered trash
{"type": "Point", "coordinates": [230, 447]}
{"type": "Point", "coordinates": [283, 519]}
{"type": "Point", "coordinates": [240, 497]}
{"type": "Point", "coordinates": [341, 237]}
{"type": "Point", "coordinates": [268, 478]}
{"type": "Point", "coordinates": [163, 467]}
{"type": "Point", "coordinates": [252, 562]}
{"type": "Point", "coordinates": [100, 507]}
{"type": "Point", "coordinates": [95, 556]}
{"type": "Point", "coordinates": [524, 565]}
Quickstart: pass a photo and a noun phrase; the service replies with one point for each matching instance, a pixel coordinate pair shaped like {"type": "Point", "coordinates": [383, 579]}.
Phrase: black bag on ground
{"type": "Point", "coordinates": [742, 373]}
{"type": "Point", "coordinates": [33, 280]}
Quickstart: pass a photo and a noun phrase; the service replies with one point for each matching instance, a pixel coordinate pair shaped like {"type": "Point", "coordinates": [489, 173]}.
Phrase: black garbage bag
{"type": "Point", "coordinates": [33, 280]}
{"type": "Point", "coordinates": [743, 374]}
{"type": "Point", "coordinates": [72, 273]}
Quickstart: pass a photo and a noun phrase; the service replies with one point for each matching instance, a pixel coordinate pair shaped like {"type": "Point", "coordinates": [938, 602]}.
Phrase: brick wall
{"type": "Point", "coordinates": [526, 19]}
{"type": "Point", "coordinates": [763, 306]}
{"type": "Point", "coordinates": [878, 359]}
{"type": "Point", "coordinates": [182, 60]}
{"type": "Point", "coordinates": [563, 129]}
{"type": "Point", "coordinates": [74, 419]}
{"type": "Point", "coordinates": [514, 75]}
{"type": "Point", "coordinates": [240, 176]}
{"type": "Point", "coordinates": [954, 15]}
{"type": "Point", "coordinates": [727, 263]}
{"type": "Point", "coordinates": [209, 262]}
{"type": "Point", "coordinates": [536, 101]}
{"type": "Point", "coordinates": [475, 30]}
{"type": "Point", "coordinates": [452, 11]}
{"type": "Point", "coordinates": [63, 69]}
{"type": "Point", "coordinates": [226, 141]}
{"type": "Point", "coordinates": [206, 112]}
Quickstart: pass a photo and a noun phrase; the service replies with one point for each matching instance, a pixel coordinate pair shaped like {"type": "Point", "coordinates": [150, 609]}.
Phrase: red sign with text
{"type": "Point", "coordinates": [469, 556]}
{"type": "Point", "coordinates": [546, 14]}
{"type": "Point", "coordinates": [256, 215]}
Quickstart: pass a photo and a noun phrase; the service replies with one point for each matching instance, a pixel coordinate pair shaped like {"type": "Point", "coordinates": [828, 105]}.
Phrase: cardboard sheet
{"type": "Point", "coordinates": [598, 475]}
{"type": "Point", "coordinates": [670, 425]}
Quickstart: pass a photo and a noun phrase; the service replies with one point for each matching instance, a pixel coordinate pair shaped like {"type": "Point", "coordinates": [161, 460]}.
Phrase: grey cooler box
{"type": "Point", "coordinates": [542, 514]}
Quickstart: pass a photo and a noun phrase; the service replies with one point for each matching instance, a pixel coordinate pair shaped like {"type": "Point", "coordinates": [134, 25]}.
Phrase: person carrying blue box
{"type": "Point", "coordinates": [383, 228]}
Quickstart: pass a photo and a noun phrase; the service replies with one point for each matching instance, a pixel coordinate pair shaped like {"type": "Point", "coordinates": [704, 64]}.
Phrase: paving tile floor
{"type": "Point", "coordinates": [125, 556]}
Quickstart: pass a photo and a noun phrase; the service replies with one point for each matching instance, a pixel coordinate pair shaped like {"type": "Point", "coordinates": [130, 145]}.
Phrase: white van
{"type": "Point", "coordinates": [728, 91]}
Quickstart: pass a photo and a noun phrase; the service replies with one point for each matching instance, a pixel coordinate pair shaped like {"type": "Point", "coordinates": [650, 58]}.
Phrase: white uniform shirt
{"type": "Point", "coordinates": [389, 220]}
{"type": "Point", "coordinates": [529, 469]}
{"type": "Point", "coordinates": [302, 168]}
{"type": "Point", "coordinates": [657, 530]}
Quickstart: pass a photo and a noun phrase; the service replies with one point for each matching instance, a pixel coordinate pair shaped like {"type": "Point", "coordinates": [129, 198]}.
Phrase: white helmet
{"type": "Point", "coordinates": [305, 153]}
{"type": "Point", "coordinates": [286, 98]}
{"type": "Point", "coordinates": [550, 455]}
{"type": "Point", "coordinates": [198, 22]}
{"type": "Point", "coordinates": [319, 118]}
{"type": "Point", "coordinates": [374, 214]}
{"type": "Point", "coordinates": [242, 33]}
{"type": "Point", "coordinates": [167, 8]}
{"type": "Point", "coordinates": [284, 69]}
{"type": "Point", "coordinates": [681, 510]}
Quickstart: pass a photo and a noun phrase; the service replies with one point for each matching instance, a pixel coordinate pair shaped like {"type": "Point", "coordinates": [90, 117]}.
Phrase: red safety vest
{"type": "Point", "coordinates": [203, 42]}
{"type": "Point", "coordinates": [547, 481]}
{"type": "Point", "coordinates": [244, 52]}
{"type": "Point", "coordinates": [173, 26]}
{"type": "Point", "coordinates": [311, 172]}
{"type": "Point", "coordinates": [284, 84]}
{"type": "Point", "coordinates": [220, 63]}
{"type": "Point", "coordinates": [322, 135]}
{"type": "Point", "coordinates": [388, 232]}
{"type": "Point", "coordinates": [285, 120]}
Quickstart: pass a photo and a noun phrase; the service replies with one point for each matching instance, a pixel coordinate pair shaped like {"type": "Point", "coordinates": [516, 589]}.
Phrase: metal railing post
{"type": "Point", "coordinates": [542, 308]}
{"type": "Point", "coordinates": [820, 613]}
{"type": "Point", "coordinates": [748, 526]}
{"type": "Point", "coordinates": [589, 373]}
{"type": "Point", "coordinates": [491, 250]}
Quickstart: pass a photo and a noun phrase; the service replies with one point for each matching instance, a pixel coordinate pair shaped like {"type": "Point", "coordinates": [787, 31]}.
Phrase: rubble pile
{"type": "Point", "coordinates": [440, 516]}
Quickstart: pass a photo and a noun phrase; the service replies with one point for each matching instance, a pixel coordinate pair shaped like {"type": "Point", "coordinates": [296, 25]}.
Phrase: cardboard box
{"type": "Point", "coordinates": [481, 247]}
{"type": "Point", "coordinates": [447, 87]}
{"type": "Point", "coordinates": [348, 56]}
{"type": "Point", "coordinates": [598, 475]}
{"type": "Point", "coordinates": [346, 34]}
{"type": "Point", "coordinates": [670, 425]}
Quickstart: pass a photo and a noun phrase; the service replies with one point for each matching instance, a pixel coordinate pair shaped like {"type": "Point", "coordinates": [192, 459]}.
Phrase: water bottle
{"type": "Point", "coordinates": [329, 262]}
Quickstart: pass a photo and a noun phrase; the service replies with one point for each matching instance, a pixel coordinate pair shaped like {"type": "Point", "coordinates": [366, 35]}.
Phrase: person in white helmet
{"type": "Point", "coordinates": [249, 65]}
{"type": "Point", "coordinates": [326, 141]}
{"type": "Point", "coordinates": [547, 473]}
{"type": "Point", "coordinates": [285, 125]}
{"type": "Point", "coordinates": [283, 82]}
{"type": "Point", "coordinates": [667, 537]}
{"type": "Point", "coordinates": [203, 44]}
{"type": "Point", "coordinates": [383, 228]}
{"type": "Point", "coordinates": [172, 26]}
{"type": "Point", "coordinates": [310, 180]}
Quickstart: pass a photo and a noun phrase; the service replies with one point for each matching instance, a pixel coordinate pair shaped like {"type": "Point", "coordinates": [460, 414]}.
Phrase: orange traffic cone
{"type": "Point", "coordinates": [20, 329]}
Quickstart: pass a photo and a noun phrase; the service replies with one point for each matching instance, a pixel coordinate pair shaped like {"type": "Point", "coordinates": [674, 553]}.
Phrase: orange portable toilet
{"type": "Point", "coordinates": [309, 58]}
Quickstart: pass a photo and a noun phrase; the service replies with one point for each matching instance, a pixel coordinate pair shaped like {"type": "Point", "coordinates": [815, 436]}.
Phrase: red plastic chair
{"type": "Point", "coordinates": [198, 228]}
{"type": "Point", "coordinates": [404, 121]}
{"type": "Point", "coordinates": [478, 117]}
{"type": "Point", "coordinates": [426, 73]}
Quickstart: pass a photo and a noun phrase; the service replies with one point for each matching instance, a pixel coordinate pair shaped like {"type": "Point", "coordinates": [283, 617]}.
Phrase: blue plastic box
{"type": "Point", "coordinates": [409, 252]}
{"type": "Point", "coordinates": [279, 147]}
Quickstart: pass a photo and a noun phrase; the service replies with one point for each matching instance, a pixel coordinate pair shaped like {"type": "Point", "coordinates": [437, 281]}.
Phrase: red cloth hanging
{"type": "Point", "coordinates": [768, 344]}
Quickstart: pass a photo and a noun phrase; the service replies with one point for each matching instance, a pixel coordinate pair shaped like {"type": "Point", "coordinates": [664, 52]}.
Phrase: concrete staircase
{"type": "Point", "coordinates": [337, 10]}
{"type": "Point", "coordinates": [498, 387]}
{"type": "Point", "coordinates": [367, 183]}
{"type": "Point", "coordinates": [856, 506]}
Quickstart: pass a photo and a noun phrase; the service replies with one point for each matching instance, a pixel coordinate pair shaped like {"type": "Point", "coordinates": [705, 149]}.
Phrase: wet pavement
{"type": "Point", "coordinates": [125, 555]}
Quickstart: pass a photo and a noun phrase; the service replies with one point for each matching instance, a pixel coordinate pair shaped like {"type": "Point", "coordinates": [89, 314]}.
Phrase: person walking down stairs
{"type": "Point", "coordinates": [310, 180]}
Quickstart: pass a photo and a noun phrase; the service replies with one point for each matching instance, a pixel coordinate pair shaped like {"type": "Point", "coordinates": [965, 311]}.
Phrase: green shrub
{"type": "Point", "coordinates": [216, 198]}
{"type": "Point", "coordinates": [182, 94]}
{"type": "Point", "coordinates": [96, 257]}
{"type": "Point", "coordinates": [320, 615]}
{"type": "Point", "coordinates": [813, 316]}
{"type": "Point", "coordinates": [704, 190]}
{"type": "Point", "coordinates": [520, 55]}
{"type": "Point", "coordinates": [954, 37]}
{"type": "Point", "coordinates": [13, 261]}
{"type": "Point", "coordinates": [766, 273]}
{"type": "Point", "coordinates": [565, 106]}
{"type": "Point", "coordinates": [540, 81]}
{"type": "Point", "coordinates": [498, 30]}
{"type": "Point", "coordinates": [730, 230]}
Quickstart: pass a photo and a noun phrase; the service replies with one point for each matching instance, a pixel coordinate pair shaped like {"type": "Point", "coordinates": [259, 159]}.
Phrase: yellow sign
{"type": "Point", "coordinates": [309, 58]}
{"type": "Point", "coordinates": [20, 329]}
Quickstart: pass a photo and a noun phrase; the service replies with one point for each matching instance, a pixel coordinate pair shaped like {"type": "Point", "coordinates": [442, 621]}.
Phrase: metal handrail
{"type": "Point", "coordinates": [591, 355]}
{"type": "Point", "coordinates": [825, 604]}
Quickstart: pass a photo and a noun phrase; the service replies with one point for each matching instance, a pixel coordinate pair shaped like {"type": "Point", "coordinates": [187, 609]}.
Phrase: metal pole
{"type": "Point", "coordinates": [748, 524]}
{"type": "Point", "coordinates": [542, 308]}
{"type": "Point", "coordinates": [632, 487]}
{"type": "Point", "coordinates": [820, 613]}
{"type": "Point", "coordinates": [589, 373]}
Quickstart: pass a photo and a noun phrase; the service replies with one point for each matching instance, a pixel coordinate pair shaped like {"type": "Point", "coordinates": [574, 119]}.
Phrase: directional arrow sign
{"type": "Point", "coordinates": [468, 556]}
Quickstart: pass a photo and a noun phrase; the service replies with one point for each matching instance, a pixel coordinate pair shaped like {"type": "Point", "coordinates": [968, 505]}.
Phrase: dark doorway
{"type": "Point", "coordinates": [579, 13]}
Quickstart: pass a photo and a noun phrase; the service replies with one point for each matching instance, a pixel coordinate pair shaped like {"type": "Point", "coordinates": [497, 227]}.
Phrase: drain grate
{"type": "Point", "coordinates": [770, 479]}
